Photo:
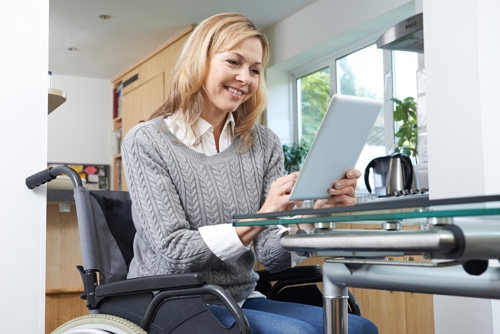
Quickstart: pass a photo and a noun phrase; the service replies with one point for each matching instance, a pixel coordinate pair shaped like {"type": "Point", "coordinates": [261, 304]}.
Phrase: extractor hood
{"type": "Point", "coordinates": [407, 35]}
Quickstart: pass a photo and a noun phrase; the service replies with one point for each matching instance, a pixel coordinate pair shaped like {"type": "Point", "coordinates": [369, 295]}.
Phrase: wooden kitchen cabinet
{"type": "Point", "coordinates": [397, 312]}
{"type": "Point", "coordinates": [140, 90]}
{"type": "Point", "coordinates": [142, 101]}
{"type": "Point", "coordinates": [63, 284]}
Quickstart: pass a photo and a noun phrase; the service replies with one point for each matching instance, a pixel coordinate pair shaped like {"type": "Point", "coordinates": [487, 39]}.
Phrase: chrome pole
{"type": "Point", "coordinates": [406, 241]}
{"type": "Point", "coordinates": [452, 281]}
{"type": "Point", "coordinates": [335, 307]}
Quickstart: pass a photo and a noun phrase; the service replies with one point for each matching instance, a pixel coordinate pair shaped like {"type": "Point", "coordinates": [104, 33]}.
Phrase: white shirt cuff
{"type": "Point", "coordinates": [223, 241]}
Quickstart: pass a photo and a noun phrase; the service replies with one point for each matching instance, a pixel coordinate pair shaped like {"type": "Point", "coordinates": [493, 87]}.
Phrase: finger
{"type": "Point", "coordinates": [344, 183]}
{"type": "Point", "coordinates": [350, 179]}
{"type": "Point", "coordinates": [344, 190]}
{"type": "Point", "coordinates": [353, 174]}
{"type": "Point", "coordinates": [341, 200]}
{"type": "Point", "coordinates": [292, 177]}
{"type": "Point", "coordinates": [283, 185]}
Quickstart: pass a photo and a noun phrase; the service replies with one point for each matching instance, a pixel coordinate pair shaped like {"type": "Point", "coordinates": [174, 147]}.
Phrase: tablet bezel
{"type": "Point", "coordinates": [337, 145]}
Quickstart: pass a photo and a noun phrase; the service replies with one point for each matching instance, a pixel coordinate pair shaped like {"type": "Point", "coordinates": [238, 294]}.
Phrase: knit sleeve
{"type": "Point", "coordinates": [163, 233]}
{"type": "Point", "coordinates": [267, 245]}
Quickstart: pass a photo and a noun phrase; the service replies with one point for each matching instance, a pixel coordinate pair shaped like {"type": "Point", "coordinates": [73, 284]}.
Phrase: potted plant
{"type": "Point", "coordinates": [294, 156]}
{"type": "Point", "coordinates": [405, 114]}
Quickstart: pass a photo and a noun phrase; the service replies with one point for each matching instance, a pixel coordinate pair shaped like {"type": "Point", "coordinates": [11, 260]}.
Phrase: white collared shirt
{"type": "Point", "coordinates": [206, 132]}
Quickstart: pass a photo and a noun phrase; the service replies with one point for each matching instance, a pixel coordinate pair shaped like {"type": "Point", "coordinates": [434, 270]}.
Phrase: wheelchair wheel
{"type": "Point", "coordinates": [99, 324]}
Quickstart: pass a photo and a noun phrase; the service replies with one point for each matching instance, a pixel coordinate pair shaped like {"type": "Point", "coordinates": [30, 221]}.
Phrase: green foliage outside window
{"type": "Point", "coordinates": [405, 115]}
{"type": "Point", "coordinates": [315, 96]}
{"type": "Point", "coordinates": [294, 156]}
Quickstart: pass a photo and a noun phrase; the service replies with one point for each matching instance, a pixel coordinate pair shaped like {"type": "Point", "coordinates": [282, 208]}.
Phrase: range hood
{"type": "Point", "coordinates": [407, 35]}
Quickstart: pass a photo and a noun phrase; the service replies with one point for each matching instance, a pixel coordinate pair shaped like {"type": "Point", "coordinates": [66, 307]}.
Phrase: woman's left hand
{"type": "Point", "coordinates": [343, 192]}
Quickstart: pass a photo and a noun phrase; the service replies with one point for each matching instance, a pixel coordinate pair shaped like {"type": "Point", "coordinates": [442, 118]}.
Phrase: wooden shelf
{"type": "Point", "coordinates": [56, 98]}
{"type": "Point", "coordinates": [63, 291]}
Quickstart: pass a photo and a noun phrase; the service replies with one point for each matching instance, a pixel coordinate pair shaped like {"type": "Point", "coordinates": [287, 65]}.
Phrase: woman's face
{"type": "Point", "coordinates": [232, 78]}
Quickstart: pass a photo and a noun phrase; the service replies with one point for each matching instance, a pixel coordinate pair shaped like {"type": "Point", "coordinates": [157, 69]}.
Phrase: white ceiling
{"type": "Point", "coordinates": [136, 27]}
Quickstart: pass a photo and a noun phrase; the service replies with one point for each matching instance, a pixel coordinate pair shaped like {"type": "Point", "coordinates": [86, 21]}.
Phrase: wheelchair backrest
{"type": "Point", "coordinates": [115, 231]}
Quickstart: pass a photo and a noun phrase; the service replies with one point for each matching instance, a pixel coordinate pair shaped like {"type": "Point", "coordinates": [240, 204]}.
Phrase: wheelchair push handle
{"type": "Point", "coordinates": [51, 173]}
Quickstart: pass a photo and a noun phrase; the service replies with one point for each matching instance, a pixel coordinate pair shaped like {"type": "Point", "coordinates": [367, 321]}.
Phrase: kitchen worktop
{"type": "Point", "coordinates": [56, 195]}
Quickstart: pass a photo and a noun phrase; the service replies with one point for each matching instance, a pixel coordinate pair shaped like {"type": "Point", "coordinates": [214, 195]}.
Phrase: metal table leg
{"type": "Point", "coordinates": [335, 306]}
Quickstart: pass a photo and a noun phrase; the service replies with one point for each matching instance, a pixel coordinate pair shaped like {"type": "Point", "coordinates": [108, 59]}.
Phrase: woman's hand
{"type": "Point", "coordinates": [277, 200]}
{"type": "Point", "coordinates": [279, 194]}
{"type": "Point", "coordinates": [343, 192]}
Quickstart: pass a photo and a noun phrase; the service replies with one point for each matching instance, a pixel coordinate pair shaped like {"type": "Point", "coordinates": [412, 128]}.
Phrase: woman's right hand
{"type": "Point", "coordinates": [278, 198]}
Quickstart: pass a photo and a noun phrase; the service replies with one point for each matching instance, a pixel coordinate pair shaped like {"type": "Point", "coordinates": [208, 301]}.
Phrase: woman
{"type": "Point", "coordinates": [201, 159]}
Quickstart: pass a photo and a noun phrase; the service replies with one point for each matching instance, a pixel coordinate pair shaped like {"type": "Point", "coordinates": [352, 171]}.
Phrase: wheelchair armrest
{"type": "Point", "coordinates": [151, 283]}
{"type": "Point", "coordinates": [298, 272]}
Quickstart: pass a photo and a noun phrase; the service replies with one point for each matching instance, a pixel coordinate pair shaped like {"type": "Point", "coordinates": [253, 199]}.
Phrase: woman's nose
{"type": "Point", "coordinates": [243, 76]}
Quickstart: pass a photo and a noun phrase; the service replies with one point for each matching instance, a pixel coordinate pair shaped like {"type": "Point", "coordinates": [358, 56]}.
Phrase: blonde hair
{"type": "Point", "coordinates": [219, 33]}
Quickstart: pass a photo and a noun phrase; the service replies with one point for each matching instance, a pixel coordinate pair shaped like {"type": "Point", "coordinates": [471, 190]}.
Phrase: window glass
{"type": "Point", "coordinates": [405, 74]}
{"type": "Point", "coordinates": [405, 66]}
{"type": "Point", "coordinates": [313, 98]}
{"type": "Point", "coordinates": [361, 74]}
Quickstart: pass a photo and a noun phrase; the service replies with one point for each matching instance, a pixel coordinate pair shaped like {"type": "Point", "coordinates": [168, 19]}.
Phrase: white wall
{"type": "Point", "coordinates": [462, 80]}
{"type": "Point", "coordinates": [80, 130]}
{"type": "Point", "coordinates": [279, 106]}
{"type": "Point", "coordinates": [23, 150]}
{"type": "Point", "coordinates": [326, 26]}
{"type": "Point", "coordinates": [463, 76]}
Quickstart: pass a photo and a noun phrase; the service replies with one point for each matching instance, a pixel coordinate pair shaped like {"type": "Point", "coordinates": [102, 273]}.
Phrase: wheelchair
{"type": "Point", "coordinates": [160, 304]}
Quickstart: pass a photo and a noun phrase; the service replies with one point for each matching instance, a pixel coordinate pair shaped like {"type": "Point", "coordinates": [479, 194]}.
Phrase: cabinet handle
{"type": "Point", "coordinates": [130, 80]}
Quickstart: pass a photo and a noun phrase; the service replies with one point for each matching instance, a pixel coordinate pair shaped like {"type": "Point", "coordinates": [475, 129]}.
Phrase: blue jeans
{"type": "Point", "coordinates": [267, 316]}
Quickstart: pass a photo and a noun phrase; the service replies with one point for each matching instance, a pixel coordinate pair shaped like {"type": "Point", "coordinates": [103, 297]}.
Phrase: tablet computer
{"type": "Point", "coordinates": [337, 145]}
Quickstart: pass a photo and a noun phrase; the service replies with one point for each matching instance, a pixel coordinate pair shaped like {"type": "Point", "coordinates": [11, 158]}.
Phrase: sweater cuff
{"type": "Point", "coordinates": [223, 241]}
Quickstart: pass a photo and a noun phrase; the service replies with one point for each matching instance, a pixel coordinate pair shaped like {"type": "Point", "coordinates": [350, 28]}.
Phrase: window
{"type": "Point", "coordinates": [313, 98]}
{"type": "Point", "coordinates": [359, 73]}
{"type": "Point", "coordinates": [405, 65]}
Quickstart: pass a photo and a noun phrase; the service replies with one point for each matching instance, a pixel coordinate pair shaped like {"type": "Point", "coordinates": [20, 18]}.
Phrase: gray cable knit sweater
{"type": "Point", "coordinates": [176, 190]}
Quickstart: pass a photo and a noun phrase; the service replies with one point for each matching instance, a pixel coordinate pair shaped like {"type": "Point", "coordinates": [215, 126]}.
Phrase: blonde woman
{"type": "Point", "coordinates": [201, 159]}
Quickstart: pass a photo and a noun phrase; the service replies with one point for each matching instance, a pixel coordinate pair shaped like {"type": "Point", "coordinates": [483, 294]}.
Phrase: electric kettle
{"type": "Point", "coordinates": [390, 174]}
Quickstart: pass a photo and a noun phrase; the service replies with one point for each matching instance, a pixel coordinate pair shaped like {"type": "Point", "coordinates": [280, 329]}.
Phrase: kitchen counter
{"type": "Point", "coordinates": [56, 195]}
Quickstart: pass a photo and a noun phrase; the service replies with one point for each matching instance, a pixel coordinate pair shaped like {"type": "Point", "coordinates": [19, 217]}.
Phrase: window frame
{"type": "Point", "coordinates": [330, 61]}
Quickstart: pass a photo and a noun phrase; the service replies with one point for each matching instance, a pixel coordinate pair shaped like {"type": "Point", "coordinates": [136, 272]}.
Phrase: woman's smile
{"type": "Point", "coordinates": [234, 91]}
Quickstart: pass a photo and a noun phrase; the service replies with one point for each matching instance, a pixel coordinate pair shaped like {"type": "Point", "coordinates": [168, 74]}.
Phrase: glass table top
{"type": "Point", "coordinates": [407, 210]}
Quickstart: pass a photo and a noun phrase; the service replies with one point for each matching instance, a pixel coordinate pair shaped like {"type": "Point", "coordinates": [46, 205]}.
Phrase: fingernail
{"type": "Point", "coordinates": [338, 184]}
{"type": "Point", "coordinates": [349, 174]}
{"type": "Point", "coordinates": [332, 190]}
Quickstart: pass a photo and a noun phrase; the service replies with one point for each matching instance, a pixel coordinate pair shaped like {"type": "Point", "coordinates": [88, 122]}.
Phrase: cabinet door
{"type": "Point", "coordinates": [141, 102]}
{"type": "Point", "coordinates": [138, 105]}
{"type": "Point", "coordinates": [397, 312]}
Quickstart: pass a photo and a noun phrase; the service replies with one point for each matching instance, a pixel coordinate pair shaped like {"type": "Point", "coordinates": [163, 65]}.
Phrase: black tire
{"type": "Point", "coordinates": [95, 322]}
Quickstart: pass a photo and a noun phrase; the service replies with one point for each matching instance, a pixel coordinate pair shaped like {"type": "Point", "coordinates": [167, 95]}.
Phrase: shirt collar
{"type": "Point", "coordinates": [204, 126]}
{"type": "Point", "coordinates": [178, 128]}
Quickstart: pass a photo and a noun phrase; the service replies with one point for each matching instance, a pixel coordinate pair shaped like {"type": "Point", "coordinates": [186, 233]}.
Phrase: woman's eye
{"type": "Point", "coordinates": [255, 72]}
{"type": "Point", "coordinates": [232, 62]}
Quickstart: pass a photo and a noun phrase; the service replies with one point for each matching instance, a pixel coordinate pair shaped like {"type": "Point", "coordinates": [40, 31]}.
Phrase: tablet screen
{"type": "Point", "coordinates": [337, 145]}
